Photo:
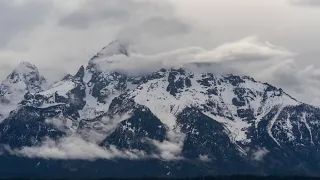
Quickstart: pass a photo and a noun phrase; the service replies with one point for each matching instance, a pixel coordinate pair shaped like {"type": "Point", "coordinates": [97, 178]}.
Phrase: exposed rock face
{"type": "Point", "coordinates": [183, 121]}
{"type": "Point", "coordinates": [24, 78]}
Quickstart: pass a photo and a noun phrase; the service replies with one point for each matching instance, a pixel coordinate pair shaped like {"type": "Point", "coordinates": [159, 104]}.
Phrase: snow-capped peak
{"type": "Point", "coordinates": [26, 77]}
{"type": "Point", "coordinates": [114, 48]}
{"type": "Point", "coordinates": [176, 112]}
{"type": "Point", "coordinates": [25, 68]}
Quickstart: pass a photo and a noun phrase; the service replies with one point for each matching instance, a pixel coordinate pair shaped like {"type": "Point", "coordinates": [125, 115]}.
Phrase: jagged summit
{"type": "Point", "coordinates": [25, 67]}
{"type": "Point", "coordinates": [81, 72]}
{"type": "Point", "coordinates": [23, 70]}
{"type": "Point", "coordinates": [26, 77]}
{"type": "Point", "coordinates": [113, 48]}
{"type": "Point", "coordinates": [219, 122]}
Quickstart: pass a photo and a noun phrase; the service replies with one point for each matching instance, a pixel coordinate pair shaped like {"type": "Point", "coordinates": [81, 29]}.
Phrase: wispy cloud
{"type": "Point", "coordinates": [74, 147]}
{"type": "Point", "coordinates": [248, 50]}
{"type": "Point", "coordinates": [259, 154]}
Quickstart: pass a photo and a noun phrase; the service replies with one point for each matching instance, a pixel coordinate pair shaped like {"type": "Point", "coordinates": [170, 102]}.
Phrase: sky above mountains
{"type": "Point", "coordinates": [276, 41]}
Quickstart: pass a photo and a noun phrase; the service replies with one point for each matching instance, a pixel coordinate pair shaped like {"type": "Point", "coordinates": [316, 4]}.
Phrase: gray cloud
{"type": "Point", "coordinates": [155, 27]}
{"type": "Point", "coordinates": [306, 2]}
{"type": "Point", "coordinates": [62, 38]}
{"type": "Point", "coordinates": [96, 11]}
{"type": "Point", "coordinates": [75, 147]}
{"type": "Point", "coordinates": [159, 26]}
{"type": "Point", "coordinates": [75, 30]}
{"type": "Point", "coordinates": [164, 34]}
{"type": "Point", "coordinates": [84, 145]}
{"type": "Point", "coordinates": [76, 20]}
{"type": "Point", "coordinates": [112, 11]}
{"type": "Point", "coordinates": [262, 60]}
{"type": "Point", "coordinates": [17, 18]}
{"type": "Point", "coordinates": [259, 154]}
{"type": "Point", "coordinates": [233, 55]}
{"type": "Point", "coordinates": [204, 158]}
{"type": "Point", "coordinates": [138, 21]}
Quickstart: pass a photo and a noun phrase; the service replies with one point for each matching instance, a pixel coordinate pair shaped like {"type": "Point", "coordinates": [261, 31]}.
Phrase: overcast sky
{"type": "Point", "coordinates": [59, 35]}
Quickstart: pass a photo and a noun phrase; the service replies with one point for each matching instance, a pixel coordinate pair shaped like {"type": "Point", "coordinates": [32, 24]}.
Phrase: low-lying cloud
{"type": "Point", "coordinates": [259, 154]}
{"type": "Point", "coordinates": [171, 148]}
{"type": "Point", "coordinates": [74, 147]}
{"type": "Point", "coordinates": [84, 144]}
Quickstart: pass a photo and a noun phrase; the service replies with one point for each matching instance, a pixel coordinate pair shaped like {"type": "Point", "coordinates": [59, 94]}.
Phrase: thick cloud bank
{"type": "Point", "coordinates": [249, 56]}
{"type": "Point", "coordinates": [248, 50]}
{"type": "Point", "coordinates": [75, 147]}
{"type": "Point", "coordinates": [59, 36]}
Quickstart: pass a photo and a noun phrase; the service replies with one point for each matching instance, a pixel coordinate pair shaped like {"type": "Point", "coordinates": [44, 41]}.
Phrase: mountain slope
{"type": "Point", "coordinates": [24, 78]}
{"type": "Point", "coordinates": [186, 117]}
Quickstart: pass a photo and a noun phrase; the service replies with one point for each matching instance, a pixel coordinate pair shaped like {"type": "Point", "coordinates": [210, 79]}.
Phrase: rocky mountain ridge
{"type": "Point", "coordinates": [214, 124]}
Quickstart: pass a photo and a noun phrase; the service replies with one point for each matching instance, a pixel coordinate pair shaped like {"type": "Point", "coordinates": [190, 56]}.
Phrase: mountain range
{"type": "Point", "coordinates": [174, 122]}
